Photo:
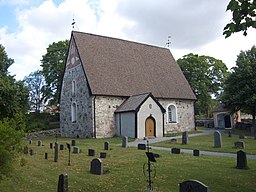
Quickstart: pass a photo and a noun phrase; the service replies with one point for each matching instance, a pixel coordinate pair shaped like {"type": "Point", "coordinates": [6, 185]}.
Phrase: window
{"type": "Point", "coordinates": [172, 114]}
{"type": "Point", "coordinates": [73, 112]}
{"type": "Point", "coordinates": [73, 89]}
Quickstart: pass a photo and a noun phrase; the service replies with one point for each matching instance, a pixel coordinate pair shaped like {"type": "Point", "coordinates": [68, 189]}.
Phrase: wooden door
{"type": "Point", "coordinates": [150, 127]}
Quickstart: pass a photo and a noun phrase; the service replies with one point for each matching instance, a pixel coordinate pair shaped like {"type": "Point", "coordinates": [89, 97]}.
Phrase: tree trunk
{"type": "Point", "coordinates": [253, 130]}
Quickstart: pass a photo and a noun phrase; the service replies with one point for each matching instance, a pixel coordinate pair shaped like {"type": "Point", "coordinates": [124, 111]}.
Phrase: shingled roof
{"type": "Point", "coordinates": [118, 67]}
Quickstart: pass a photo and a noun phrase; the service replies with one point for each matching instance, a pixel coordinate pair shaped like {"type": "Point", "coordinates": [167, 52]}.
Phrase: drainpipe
{"type": "Point", "coordinates": [94, 117]}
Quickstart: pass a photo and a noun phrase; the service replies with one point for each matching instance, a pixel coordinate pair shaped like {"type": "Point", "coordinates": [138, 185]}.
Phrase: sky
{"type": "Point", "coordinates": [28, 27]}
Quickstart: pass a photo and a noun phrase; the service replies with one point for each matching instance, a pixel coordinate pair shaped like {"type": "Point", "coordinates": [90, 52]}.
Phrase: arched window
{"type": "Point", "coordinates": [73, 89]}
{"type": "Point", "coordinates": [73, 112]}
{"type": "Point", "coordinates": [172, 114]}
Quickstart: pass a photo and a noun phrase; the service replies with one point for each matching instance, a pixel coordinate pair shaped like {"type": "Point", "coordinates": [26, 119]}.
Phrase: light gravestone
{"type": "Point", "coordinates": [106, 145]}
{"type": "Point", "coordinates": [125, 142]}
{"type": "Point", "coordinates": [193, 186]}
{"type": "Point", "coordinates": [96, 167]}
{"type": "Point", "coordinates": [63, 183]}
{"type": "Point", "coordinates": [217, 139]}
{"type": "Point", "coordinates": [241, 160]}
{"type": "Point", "coordinates": [76, 149]}
{"type": "Point", "coordinates": [56, 152]}
{"type": "Point", "coordinates": [185, 138]}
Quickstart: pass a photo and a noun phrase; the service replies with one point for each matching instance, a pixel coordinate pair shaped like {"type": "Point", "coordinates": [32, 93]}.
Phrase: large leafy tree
{"type": "Point", "coordinates": [206, 76]}
{"type": "Point", "coordinates": [240, 86]}
{"type": "Point", "coordinates": [13, 94]}
{"type": "Point", "coordinates": [244, 16]}
{"type": "Point", "coordinates": [35, 82]}
{"type": "Point", "coordinates": [53, 63]}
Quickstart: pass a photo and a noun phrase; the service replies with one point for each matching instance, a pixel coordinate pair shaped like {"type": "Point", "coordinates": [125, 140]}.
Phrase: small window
{"type": "Point", "coordinates": [172, 114]}
{"type": "Point", "coordinates": [73, 112]}
{"type": "Point", "coordinates": [73, 89]}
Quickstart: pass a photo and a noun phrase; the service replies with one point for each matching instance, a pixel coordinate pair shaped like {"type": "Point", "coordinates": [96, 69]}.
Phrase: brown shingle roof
{"type": "Point", "coordinates": [124, 68]}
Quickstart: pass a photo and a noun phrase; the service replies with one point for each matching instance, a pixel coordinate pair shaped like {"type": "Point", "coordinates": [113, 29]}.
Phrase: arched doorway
{"type": "Point", "coordinates": [227, 121]}
{"type": "Point", "coordinates": [150, 127]}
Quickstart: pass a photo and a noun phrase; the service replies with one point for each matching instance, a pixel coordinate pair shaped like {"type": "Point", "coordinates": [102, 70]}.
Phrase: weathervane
{"type": "Point", "coordinates": [168, 41]}
{"type": "Point", "coordinates": [73, 23]}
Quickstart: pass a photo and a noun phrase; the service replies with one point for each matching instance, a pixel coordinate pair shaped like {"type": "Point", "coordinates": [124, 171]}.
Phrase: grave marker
{"type": "Point", "coordinates": [61, 147]}
{"type": "Point", "coordinates": [51, 145]}
{"type": "Point", "coordinates": [125, 142]}
{"type": "Point", "coordinates": [91, 152]}
{"type": "Point", "coordinates": [173, 140]}
{"type": "Point", "coordinates": [76, 149]}
{"type": "Point", "coordinates": [45, 155]}
{"type": "Point", "coordinates": [106, 145]}
{"type": "Point", "coordinates": [56, 152]}
{"type": "Point", "coordinates": [239, 144]}
{"type": "Point", "coordinates": [241, 160]}
{"type": "Point", "coordinates": [175, 150]}
{"type": "Point", "coordinates": [63, 183]}
{"type": "Point", "coordinates": [73, 143]}
{"type": "Point", "coordinates": [185, 138]}
{"type": "Point", "coordinates": [103, 155]}
{"type": "Point", "coordinates": [217, 139]}
{"type": "Point", "coordinates": [193, 186]}
{"type": "Point", "coordinates": [141, 146]}
{"type": "Point", "coordinates": [30, 142]}
{"type": "Point", "coordinates": [39, 143]}
{"type": "Point", "coordinates": [196, 152]}
{"type": "Point", "coordinates": [31, 152]}
{"type": "Point", "coordinates": [96, 166]}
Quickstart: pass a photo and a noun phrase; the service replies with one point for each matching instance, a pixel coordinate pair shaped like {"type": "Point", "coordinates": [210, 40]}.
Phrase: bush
{"type": "Point", "coordinates": [6, 159]}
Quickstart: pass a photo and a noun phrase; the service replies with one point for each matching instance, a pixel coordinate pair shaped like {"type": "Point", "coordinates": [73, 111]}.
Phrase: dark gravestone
{"type": "Point", "coordinates": [45, 155]}
{"type": "Point", "coordinates": [173, 140]}
{"type": "Point", "coordinates": [185, 138]}
{"type": "Point", "coordinates": [96, 167]}
{"type": "Point", "coordinates": [156, 155]}
{"type": "Point", "coordinates": [193, 186]}
{"type": "Point", "coordinates": [51, 145]}
{"type": "Point", "coordinates": [175, 150]}
{"type": "Point", "coordinates": [106, 145]}
{"type": "Point", "coordinates": [196, 152]}
{"type": "Point", "coordinates": [63, 183]}
{"type": "Point", "coordinates": [56, 152]}
{"type": "Point", "coordinates": [241, 137]}
{"type": "Point", "coordinates": [241, 160]}
{"type": "Point", "coordinates": [229, 134]}
{"type": "Point", "coordinates": [31, 152]}
{"type": "Point", "coordinates": [141, 146]}
{"type": "Point", "coordinates": [103, 155]}
{"type": "Point", "coordinates": [91, 152]}
{"type": "Point", "coordinates": [30, 142]}
{"type": "Point", "coordinates": [125, 142]}
{"type": "Point", "coordinates": [39, 143]}
{"type": "Point", "coordinates": [76, 149]}
{"type": "Point", "coordinates": [217, 139]}
{"type": "Point", "coordinates": [239, 144]}
{"type": "Point", "coordinates": [61, 147]}
{"type": "Point", "coordinates": [73, 143]}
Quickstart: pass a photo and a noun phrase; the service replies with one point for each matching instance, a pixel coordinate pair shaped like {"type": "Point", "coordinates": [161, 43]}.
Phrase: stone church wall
{"type": "Point", "coordinates": [185, 115]}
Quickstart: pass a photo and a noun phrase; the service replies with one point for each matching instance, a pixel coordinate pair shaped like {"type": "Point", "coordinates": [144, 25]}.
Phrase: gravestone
{"type": "Point", "coordinates": [241, 137]}
{"type": "Point", "coordinates": [125, 142]}
{"type": "Point", "coordinates": [96, 167]}
{"type": "Point", "coordinates": [196, 152]}
{"type": "Point", "coordinates": [173, 140]}
{"type": "Point", "coordinates": [63, 183]}
{"type": "Point", "coordinates": [91, 152]}
{"type": "Point", "coordinates": [229, 134]}
{"type": "Point", "coordinates": [45, 155]}
{"type": "Point", "coordinates": [73, 143]}
{"type": "Point", "coordinates": [51, 145]}
{"type": "Point", "coordinates": [56, 152]}
{"type": "Point", "coordinates": [141, 146]}
{"type": "Point", "coordinates": [31, 152]}
{"type": "Point", "coordinates": [241, 160]}
{"type": "Point", "coordinates": [156, 155]}
{"type": "Point", "coordinates": [106, 145]}
{"type": "Point", "coordinates": [193, 186]}
{"type": "Point", "coordinates": [30, 142]}
{"type": "Point", "coordinates": [239, 144]}
{"type": "Point", "coordinates": [103, 155]}
{"type": "Point", "coordinates": [217, 139]}
{"type": "Point", "coordinates": [39, 143]}
{"type": "Point", "coordinates": [175, 150]}
{"type": "Point", "coordinates": [185, 138]}
{"type": "Point", "coordinates": [61, 147]}
{"type": "Point", "coordinates": [76, 149]}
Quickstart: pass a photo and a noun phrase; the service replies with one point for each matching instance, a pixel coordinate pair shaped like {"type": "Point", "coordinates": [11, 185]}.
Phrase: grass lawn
{"type": "Point", "coordinates": [206, 143]}
{"type": "Point", "coordinates": [124, 170]}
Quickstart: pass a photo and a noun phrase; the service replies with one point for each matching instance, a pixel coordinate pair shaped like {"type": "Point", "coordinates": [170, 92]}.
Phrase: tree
{"type": "Point", "coordinates": [206, 76]}
{"type": "Point", "coordinates": [244, 16]}
{"type": "Point", "coordinates": [13, 94]}
{"type": "Point", "coordinates": [53, 63]}
{"type": "Point", "coordinates": [240, 86]}
{"type": "Point", "coordinates": [35, 82]}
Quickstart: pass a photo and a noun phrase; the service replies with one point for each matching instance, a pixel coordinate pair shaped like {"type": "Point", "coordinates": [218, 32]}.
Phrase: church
{"type": "Point", "coordinates": [117, 87]}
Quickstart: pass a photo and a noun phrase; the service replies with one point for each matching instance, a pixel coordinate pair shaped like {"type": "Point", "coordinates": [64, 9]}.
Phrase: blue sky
{"type": "Point", "coordinates": [27, 27]}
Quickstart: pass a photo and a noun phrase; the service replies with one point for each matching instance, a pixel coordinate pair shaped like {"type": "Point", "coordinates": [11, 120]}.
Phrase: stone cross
{"type": "Point", "coordinates": [125, 142]}
{"type": "Point", "coordinates": [106, 145]}
{"type": "Point", "coordinates": [96, 167]}
{"type": "Point", "coordinates": [241, 160]}
{"type": "Point", "coordinates": [63, 183]}
{"type": "Point", "coordinates": [185, 138]}
{"type": "Point", "coordinates": [56, 152]}
{"type": "Point", "coordinates": [217, 139]}
{"type": "Point", "coordinates": [193, 186]}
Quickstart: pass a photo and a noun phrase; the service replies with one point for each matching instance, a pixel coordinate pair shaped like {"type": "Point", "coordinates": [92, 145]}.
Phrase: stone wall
{"type": "Point", "coordinates": [44, 133]}
{"type": "Point", "coordinates": [74, 78]}
{"type": "Point", "coordinates": [185, 115]}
